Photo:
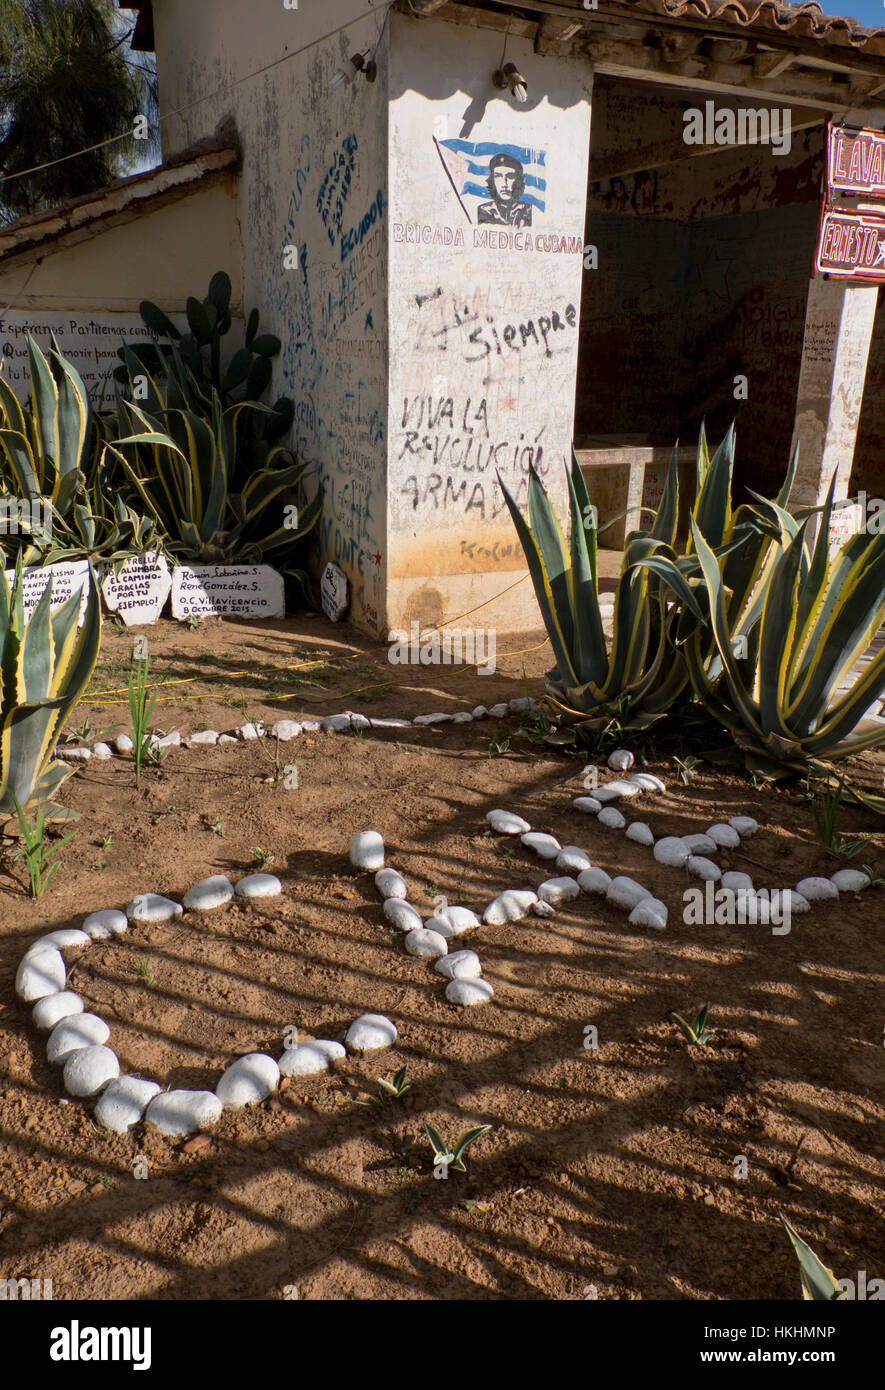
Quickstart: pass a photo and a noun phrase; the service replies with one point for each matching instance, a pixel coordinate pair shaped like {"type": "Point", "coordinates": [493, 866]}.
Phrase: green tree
{"type": "Point", "coordinates": [68, 81]}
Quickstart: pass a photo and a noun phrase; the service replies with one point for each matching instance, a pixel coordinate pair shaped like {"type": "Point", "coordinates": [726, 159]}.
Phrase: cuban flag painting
{"type": "Point", "coordinates": [503, 184]}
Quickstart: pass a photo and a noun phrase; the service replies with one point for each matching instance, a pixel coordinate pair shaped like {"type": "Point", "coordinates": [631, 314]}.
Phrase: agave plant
{"type": "Point", "coordinates": [45, 666]}
{"type": "Point", "coordinates": [817, 612]}
{"type": "Point", "coordinates": [54, 466]}
{"type": "Point", "coordinates": [819, 1284]}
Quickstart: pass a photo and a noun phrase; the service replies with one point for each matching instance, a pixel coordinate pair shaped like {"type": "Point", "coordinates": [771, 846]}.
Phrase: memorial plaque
{"type": "Point", "coordinates": [244, 591]}
{"type": "Point", "coordinates": [66, 579]}
{"type": "Point", "coordinates": [333, 592]}
{"type": "Point", "coordinates": [139, 589]}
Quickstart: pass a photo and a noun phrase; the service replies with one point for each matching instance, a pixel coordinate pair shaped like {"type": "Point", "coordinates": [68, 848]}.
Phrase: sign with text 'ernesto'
{"type": "Point", "coordinates": [856, 162]}
{"type": "Point", "coordinates": [851, 246]}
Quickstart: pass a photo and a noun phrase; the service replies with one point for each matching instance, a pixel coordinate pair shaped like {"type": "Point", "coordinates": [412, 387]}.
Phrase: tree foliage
{"type": "Point", "coordinates": [68, 81]}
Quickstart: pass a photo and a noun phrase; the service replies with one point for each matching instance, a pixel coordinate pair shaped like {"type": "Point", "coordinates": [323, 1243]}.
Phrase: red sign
{"type": "Point", "coordinates": [851, 246]}
{"type": "Point", "coordinates": [856, 161]}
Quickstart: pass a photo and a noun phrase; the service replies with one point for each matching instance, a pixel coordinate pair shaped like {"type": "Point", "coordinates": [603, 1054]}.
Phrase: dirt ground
{"type": "Point", "coordinates": [608, 1171]}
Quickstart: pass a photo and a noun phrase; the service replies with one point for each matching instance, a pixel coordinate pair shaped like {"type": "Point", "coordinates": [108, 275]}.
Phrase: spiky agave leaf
{"type": "Point", "coordinates": [818, 1283]}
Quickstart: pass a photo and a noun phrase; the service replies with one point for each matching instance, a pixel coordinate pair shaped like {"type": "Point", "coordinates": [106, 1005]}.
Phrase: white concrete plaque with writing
{"type": "Point", "coordinates": [66, 579]}
{"type": "Point", "coordinates": [246, 591]}
{"type": "Point", "coordinates": [139, 590]}
{"type": "Point", "coordinates": [333, 591]}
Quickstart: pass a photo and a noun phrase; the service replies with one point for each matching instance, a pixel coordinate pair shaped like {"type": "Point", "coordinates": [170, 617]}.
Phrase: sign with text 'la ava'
{"type": "Point", "coordinates": [851, 246]}
{"type": "Point", "coordinates": [856, 162]}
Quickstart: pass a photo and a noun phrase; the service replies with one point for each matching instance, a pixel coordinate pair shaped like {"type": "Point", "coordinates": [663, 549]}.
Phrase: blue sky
{"type": "Point", "coordinates": [869, 12]}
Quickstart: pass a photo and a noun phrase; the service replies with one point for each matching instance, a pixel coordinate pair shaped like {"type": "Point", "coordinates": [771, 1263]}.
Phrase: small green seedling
{"type": "Point", "coordinates": [41, 862]}
{"type": "Point", "coordinates": [388, 1090]}
{"type": "Point", "coordinates": [498, 747]}
{"type": "Point", "coordinates": [261, 858]}
{"type": "Point", "coordinates": [144, 970]}
{"type": "Point", "coordinates": [217, 826]}
{"type": "Point", "coordinates": [445, 1158]}
{"type": "Point", "coordinates": [825, 821]}
{"type": "Point", "coordinates": [141, 711]}
{"type": "Point", "coordinates": [819, 1284]}
{"type": "Point", "coordinates": [685, 769]}
{"type": "Point", "coordinates": [696, 1031]}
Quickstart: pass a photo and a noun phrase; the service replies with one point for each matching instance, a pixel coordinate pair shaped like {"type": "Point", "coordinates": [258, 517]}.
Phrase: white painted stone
{"type": "Point", "coordinates": [542, 909]}
{"type": "Point", "coordinates": [335, 723]}
{"type": "Point", "coordinates": [850, 880]}
{"type": "Point", "coordinates": [310, 726]}
{"type": "Point", "coordinates": [625, 893]}
{"type": "Point", "coordinates": [377, 723]}
{"type": "Point", "coordinates": [390, 884]}
{"type": "Point", "coordinates": [248, 1081]}
{"type": "Point", "coordinates": [468, 992]}
{"type": "Point", "coordinates": [70, 1034]}
{"type": "Point", "coordinates": [452, 921]}
{"type": "Point", "coordinates": [621, 760]}
{"type": "Point", "coordinates": [651, 912]}
{"type": "Point", "coordinates": [139, 590]}
{"type": "Point", "coordinates": [247, 732]}
{"type": "Point", "coordinates": [480, 712]}
{"type": "Point", "coordinates": [401, 914]}
{"type": "Point", "coordinates": [334, 592]}
{"type": "Point", "coordinates": [40, 975]}
{"type": "Point", "coordinates": [700, 844]}
{"type": "Point", "coordinates": [647, 782]}
{"type": "Point", "coordinates": [369, 1032]}
{"type": "Point", "coordinates": [462, 717]}
{"type": "Point", "coordinates": [183, 1112]}
{"type": "Point", "coordinates": [545, 846]}
{"type": "Point", "coordinates": [203, 737]}
{"type": "Point", "coordinates": [153, 907]}
{"type": "Point", "coordinates": [815, 889]}
{"type": "Point", "coordinates": [421, 942]}
{"type": "Point", "coordinates": [62, 939]}
{"type": "Point", "coordinates": [520, 703]}
{"type": "Point", "coordinates": [245, 591]}
{"type": "Point", "coordinates": [102, 751]}
{"type": "Point", "coordinates": [594, 880]}
{"type": "Point", "coordinates": [107, 922]}
{"type": "Point", "coordinates": [506, 823]}
{"type": "Point", "coordinates": [703, 868]}
{"type": "Point", "coordinates": [559, 890]}
{"type": "Point", "coordinates": [172, 740]}
{"type": "Point", "coordinates": [285, 729]}
{"type": "Point", "coordinates": [736, 881]}
{"type": "Point", "coordinates": [258, 886]}
{"type": "Point", "coordinates": [89, 1069]}
{"type": "Point", "coordinates": [123, 1102]}
{"type": "Point", "coordinates": [725, 836]}
{"type": "Point", "coordinates": [123, 743]}
{"type": "Point", "coordinates": [639, 832]}
{"type": "Point", "coordinates": [432, 719]}
{"type": "Point", "coordinates": [305, 1059]}
{"type": "Point", "coordinates": [510, 906]}
{"type": "Point", "coordinates": [52, 1008]}
{"type": "Point", "coordinates": [588, 804]}
{"type": "Point", "coordinates": [671, 850]}
{"type": "Point", "coordinates": [611, 817]}
{"type": "Point", "coordinates": [744, 825]}
{"type": "Point", "coordinates": [227, 738]}
{"type": "Point", "coordinates": [209, 893]}
{"type": "Point", "coordinates": [358, 721]}
{"type": "Point", "coordinates": [333, 1050]}
{"type": "Point", "coordinates": [498, 711]}
{"type": "Point", "coordinates": [571, 859]}
{"type": "Point", "coordinates": [459, 965]}
{"type": "Point", "coordinates": [613, 791]}
{"type": "Point", "coordinates": [74, 755]}
{"type": "Point", "coordinates": [784, 897]}
{"type": "Point", "coordinates": [367, 850]}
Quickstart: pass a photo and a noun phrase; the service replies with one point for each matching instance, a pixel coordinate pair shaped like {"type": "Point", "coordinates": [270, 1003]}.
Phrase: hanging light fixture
{"type": "Point", "coordinates": [509, 78]}
{"type": "Point", "coordinates": [348, 71]}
